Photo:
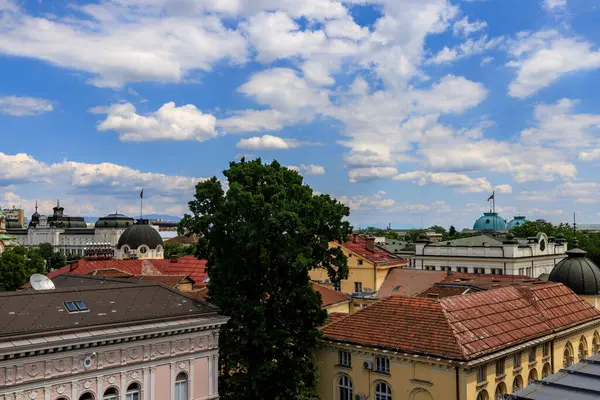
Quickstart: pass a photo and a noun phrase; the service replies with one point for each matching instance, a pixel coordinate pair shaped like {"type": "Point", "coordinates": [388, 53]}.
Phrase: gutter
{"type": "Point", "coordinates": [457, 384]}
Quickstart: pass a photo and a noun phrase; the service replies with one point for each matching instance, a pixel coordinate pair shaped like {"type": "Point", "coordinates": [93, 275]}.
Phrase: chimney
{"type": "Point", "coordinates": [370, 243]}
{"type": "Point", "coordinates": [174, 259]}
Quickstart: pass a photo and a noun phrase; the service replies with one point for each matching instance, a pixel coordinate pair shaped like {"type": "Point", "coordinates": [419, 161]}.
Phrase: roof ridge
{"type": "Point", "coordinates": [457, 342]}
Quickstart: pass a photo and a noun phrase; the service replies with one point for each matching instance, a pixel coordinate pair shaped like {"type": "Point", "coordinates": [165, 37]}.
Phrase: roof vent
{"type": "Point", "coordinates": [434, 295]}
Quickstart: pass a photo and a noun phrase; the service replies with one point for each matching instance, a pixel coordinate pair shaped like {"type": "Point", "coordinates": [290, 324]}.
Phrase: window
{"type": "Point", "coordinates": [546, 371]}
{"type": "Point", "coordinates": [133, 392]}
{"type": "Point", "coordinates": [582, 352]}
{"type": "Point", "coordinates": [596, 343]}
{"type": "Point", "coordinates": [75, 306]}
{"type": "Point", "coordinates": [568, 356]}
{"type": "Point", "coordinates": [111, 394]}
{"type": "Point", "coordinates": [500, 391]}
{"type": "Point", "coordinates": [360, 262]}
{"type": "Point", "coordinates": [546, 350]}
{"type": "Point", "coordinates": [181, 387]}
{"type": "Point", "coordinates": [397, 288]}
{"type": "Point", "coordinates": [517, 360]}
{"type": "Point", "coordinates": [430, 268]}
{"type": "Point", "coordinates": [532, 354]}
{"type": "Point", "coordinates": [479, 270]}
{"type": "Point", "coordinates": [344, 358]}
{"type": "Point", "coordinates": [447, 269]}
{"type": "Point", "coordinates": [532, 376]}
{"type": "Point", "coordinates": [143, 249]}
{"type": "Point", "coordinates": [517, 384]}
{"type": "Point", "coordinates": [344, 388]}
{"type": "Point", "coordinates": [482, 395]}
{"type": "Point", "coordinates": [462, 269]}
{"type": "Point", "coordinates": [482, 374]}
{"type": "Point", "coordinates": [497, 271]}
{"type": "Point", "coordinates": [86, 396]}
{"type": "Point", "coordinates": [337, 286]}
{"type": "Point", "coordinates": [383, 391]}
{"type": "Point", "coordinates": [382, 364]}
{"type": "Point", "coordinates": [357, 287]}
{"type": "Point", "coordinates": [500, 367]}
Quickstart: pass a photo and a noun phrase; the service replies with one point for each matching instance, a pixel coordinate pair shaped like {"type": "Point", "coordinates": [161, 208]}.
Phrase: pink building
{"type": "Point", "coordinates": [107, 340]}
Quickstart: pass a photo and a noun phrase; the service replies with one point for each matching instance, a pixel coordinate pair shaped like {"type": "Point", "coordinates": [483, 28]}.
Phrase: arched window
{"type": "Point", "coordinates": [133, 392]}
{"type": "Point", "coordinates": [111, 394]}
{"type": "Point", "coordinates": [483, 395]}
{"type": "Point", "coordinates": [582, 350]}
{"type": "Point", "coordinates": [533, 376]}
{"type": "Point", "coordinates": [86, 396]}
{"type": "Point", "coordinates": [344, 388]}
{"type": "Point", "coordinates": [181, 387]}
{"type": "Point", "coordinates": [568, 355]}
{"type": "Point", "coordinates": [500, 391]}
{"type": "Point", "coordinates": [596, 343]}
{"type": "Point", "coordinates": [383, 391]}
{"type": "Point", "coordinates": [546, 370]}
{"type": "Point", "coordinates": [517, 384]}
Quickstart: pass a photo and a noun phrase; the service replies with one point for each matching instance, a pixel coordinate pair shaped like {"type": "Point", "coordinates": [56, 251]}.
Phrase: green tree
{"type": "Point", "coordinates": [46, 250]}
{"type": "Point", "coordinates": [451, 232]}
{"type": "Point", "coordinates": [261, 238]}
{"type": "Point", "coordinates": [175, 249]}
{"type": "Point", "coordinates": [54, 259]}
{"type": "Point", "coordinates": [17, 264]}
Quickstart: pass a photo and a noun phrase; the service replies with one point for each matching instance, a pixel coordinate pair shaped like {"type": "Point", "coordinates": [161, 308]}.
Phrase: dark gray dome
{"type": "Point", "coordinates": [114, 221]}
{"type": "Point", "coordinates": [140, 234]}
{"type": "Point", "coordinates": [578, 273]}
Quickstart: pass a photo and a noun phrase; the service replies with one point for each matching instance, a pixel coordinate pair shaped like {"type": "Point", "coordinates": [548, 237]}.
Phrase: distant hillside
{"type": "Point", "coordinates": [149, 216]}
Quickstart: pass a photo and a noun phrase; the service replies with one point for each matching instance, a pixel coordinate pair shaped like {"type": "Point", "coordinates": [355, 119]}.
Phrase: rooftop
{"type": "Point", "coordinates": [35, 313]}
{"type": "Point", "coordinates": [408, 282]}
{"type": "Point", "coordinates": [463, 328]}
{"type": "Point", "coordinates": [330, 297]}
{"type": "Point", "coordinates": [378, 256]}
{"type": "Point", "coordinates": [578, 382]}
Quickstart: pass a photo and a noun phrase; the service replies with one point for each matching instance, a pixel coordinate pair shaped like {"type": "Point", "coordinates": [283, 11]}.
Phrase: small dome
{"type": "Point", "coordinates": [490, 221]}
{"type": "Point", "coordinates": [114, 221]}
{"type": "Point", "coordinates": [578, 273]}
{"type": "Point", "coordinates": [516, 221]}
{"type": "Point", "coordinates": [140, 234]}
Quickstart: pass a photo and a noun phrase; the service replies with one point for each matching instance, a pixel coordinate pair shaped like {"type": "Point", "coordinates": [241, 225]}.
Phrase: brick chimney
{"type": "Point", "coordinates": [370, 243]}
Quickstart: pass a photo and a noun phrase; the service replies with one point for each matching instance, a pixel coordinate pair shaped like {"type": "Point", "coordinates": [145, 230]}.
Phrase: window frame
{"type": "Point", "coordinates": [344, 358]}
{"type": "Point", "coordinates": [500, 367]}
{"type": "Point", "coordinates": [346, 386]}
{"type": "Point", "coordinates": [482, 374]}
{"type": "Point", "coordinates": [382, 365]}
{"type": "Point", "coordinates": [182, 382]}
{"type": "Point", "coordinates": [357, 286]}
{"type": "Point", "coordinates": [517, 359]}
{"type": "Point", "coordinates": [383, 391]}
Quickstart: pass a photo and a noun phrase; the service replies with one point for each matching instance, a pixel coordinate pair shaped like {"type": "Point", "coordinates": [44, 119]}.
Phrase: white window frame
{"type": "Point", "coordinates": [179, 382]}
{"type": "Point", "coordinates": [344, 383]}
{"type": "Point", "coordinates": [383, 391]}
{"type": "Point", "coordinates": [382, 365]}
{"type": "Point", "coordinates": [344, 358]}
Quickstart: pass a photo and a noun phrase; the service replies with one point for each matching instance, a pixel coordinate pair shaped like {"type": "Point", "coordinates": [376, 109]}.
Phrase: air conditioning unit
{"type": "Point", "coordinates": [360, 397]}
{"type": "Point", "coordinates": [368, 365]}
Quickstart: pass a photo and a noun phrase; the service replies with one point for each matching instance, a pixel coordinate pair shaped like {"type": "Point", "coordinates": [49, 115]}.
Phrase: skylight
{"type": "Point", "coordinates": [76, 306]}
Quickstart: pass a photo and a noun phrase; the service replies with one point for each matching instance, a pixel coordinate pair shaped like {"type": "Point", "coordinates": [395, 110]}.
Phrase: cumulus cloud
{"type": "Point", "coordinates": [506, 189]}
{"type": "Point", "coordinates": [465, 28]}
{"type": "Point", "coordinates": [543, 57]}
{"type": "Point", "coordinates": [380, 201]}
{"type": "Point", "coordinates": [369, 174]}
{"type": "Point", "coordinates": [461, 182]}
{"type": "Point", "coordinates": [468, 48]}
{"type": "Point", "coordinates": [554, 4]}
{"type": "Point", "coordinates": [267, 142]}
{"type": "Point", "coordinates": [308, 169]}
{"type": "Point", "coordinates": [168, 123]}
{"type": "Point", "coordinates": [24, 106]}
{"type": "Point", "coordinates": [593, 155]}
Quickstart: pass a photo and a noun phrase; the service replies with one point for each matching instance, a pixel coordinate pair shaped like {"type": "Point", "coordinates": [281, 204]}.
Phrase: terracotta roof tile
{"type": "Point", "coordinates": [411, 281]}
{"type": "Point", "coordinates": [464, 327]}
{"type": "Point", "coordinates": [329, 296]}
{"type": "Point", "coordinates": [379, 256]}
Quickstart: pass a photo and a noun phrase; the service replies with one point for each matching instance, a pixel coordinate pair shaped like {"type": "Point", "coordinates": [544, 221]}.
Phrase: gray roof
{"type": "Point", "coordinates": [140, 234]}
{"type": "Point", "coordinates": [578, 382]}
{"type": "Point", "coordinates": [478, 240]}
{"type": "Point", "coordinates": [31, 313]}
{"type": "Point", "coordinates": [578, 273]}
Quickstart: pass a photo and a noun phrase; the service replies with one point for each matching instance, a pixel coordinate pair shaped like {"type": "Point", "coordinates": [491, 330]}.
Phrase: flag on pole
{"type": "Point", "coordinates": [491, 197]}
{"type": "Point", "coordinates": [142, 194]}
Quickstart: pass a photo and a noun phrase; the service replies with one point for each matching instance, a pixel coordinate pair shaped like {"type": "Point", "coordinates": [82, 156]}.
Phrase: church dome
{"type": "Point", "coordinates": [518, 220]}
{"type": "Point", "coordinates": [578, 273]}
{"type": "Point", "coordinates": [490, 221]}
{"type": "Point", "coordinates": [114, 221]}
{"type": "Point", "coordinates": [140, 234]}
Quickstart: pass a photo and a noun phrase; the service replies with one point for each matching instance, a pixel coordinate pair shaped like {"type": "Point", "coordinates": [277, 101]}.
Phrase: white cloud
{"type": "Point", "coordinates": [168, 123]}
{"type": "Point", "coordinates": [372, 173]}
{"type": "Point", "coordinates": [506, 189]}
{"type": "Point", "coordinates": [24, 106]}
{"type": "Point", "coordinates": [381, 202]}
{"type": "Point", "coordinates": [593, 155]}
{"type": "Point", "coordinates": [267, 142]}
{"type": "Point", "coordinates": [553, 4]}
{"type": "Point", "coordinates": [465, 28]}
{"type": "Point", "coordinates": [461, 182]}
{"type": "Point", "coordinates": [452, 94]}
{"type": "Point", "coordinates": [310, 169]}
{"type": "Point", "coordinates": [468, 48]}
{"type": "Point", "coordinates": [537, 211]}
{"type": "Point", "coordinates": [544, 57]}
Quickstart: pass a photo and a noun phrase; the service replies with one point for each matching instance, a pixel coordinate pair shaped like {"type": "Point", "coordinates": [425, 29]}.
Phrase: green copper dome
{"type": "Point", "coordinates": [490, 221]}
{"type": "Point", "coordinates": [516, 221]}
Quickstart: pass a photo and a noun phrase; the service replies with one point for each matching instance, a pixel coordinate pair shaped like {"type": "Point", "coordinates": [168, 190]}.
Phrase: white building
{"type": "Point", "coordinates": [70, 235]}
{"type": "Point", "coordinates": [485, 254]}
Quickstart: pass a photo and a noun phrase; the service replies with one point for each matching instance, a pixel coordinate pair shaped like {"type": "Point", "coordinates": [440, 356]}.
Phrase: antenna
{"type": "Point", "coordinates": [574, 231]}
{"type": "Point", "coordinates": [41, 282]}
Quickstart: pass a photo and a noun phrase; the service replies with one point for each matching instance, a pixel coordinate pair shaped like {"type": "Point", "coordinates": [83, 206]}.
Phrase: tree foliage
{"type": "Point", "coordinates": [17, 264]}
{"type": "Point", "coordinates": [54, 259]}
{"type": "Point", "coordinates": [175, 249]}
{"type": "Point", "coordinates": [261, 238]}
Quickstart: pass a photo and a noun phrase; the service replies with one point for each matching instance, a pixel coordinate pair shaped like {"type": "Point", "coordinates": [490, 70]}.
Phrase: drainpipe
{"type": "Point", "coordinates": [457, 383]}
{"type": "Point", "coordinates": [551, 357]}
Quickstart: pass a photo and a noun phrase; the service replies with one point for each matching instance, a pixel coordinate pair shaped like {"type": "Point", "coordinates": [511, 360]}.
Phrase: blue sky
{"type": "Point", "coordinates": [406, 110]}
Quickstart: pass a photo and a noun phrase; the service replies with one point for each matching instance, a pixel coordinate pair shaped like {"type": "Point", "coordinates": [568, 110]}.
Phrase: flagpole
{"type": "Point", "coordinates": [142, 205]}
{"type": "Point", "coordinates": [494, 200]}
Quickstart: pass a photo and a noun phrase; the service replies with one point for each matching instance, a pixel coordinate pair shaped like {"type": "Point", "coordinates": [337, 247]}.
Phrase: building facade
{"type": "Point", "coordinates": [459, 348]}
{"type": "Point", "coordinates": [486, 254]}
{"type": "Point", "coordinates": [141, 345]}
{"type": "Point", "coordinates": [368, 266]}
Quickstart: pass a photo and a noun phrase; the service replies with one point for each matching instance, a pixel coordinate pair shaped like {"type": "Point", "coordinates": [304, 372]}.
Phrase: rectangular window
{"type": "Point", "coordinates": [481, 374]}
{"type": "Point", "coordinates": [337, 286]}
{"type": "Point", "coordinates": [479, 270]}
{"type": "Point", "coordinates": [517, 360]}
{"type": "Point", "coordinates": [500, 367]}
{"type": "Point", "coordinates": [81, 306]}
{"type": "Point", "coordinates": [546, 350]}
{"type": "Point", "coordinates": [360, 262]}
{"type": "Point", "coordinates": [70, 306]}
{"type": "Point", "coordinates": [344, 358]}
{"type": "Point", "coordinates": [357, 287]}
{"type": "Point", "coordinates": [382, 364]}
{"type": "Point", "coordinates": [532, 354]}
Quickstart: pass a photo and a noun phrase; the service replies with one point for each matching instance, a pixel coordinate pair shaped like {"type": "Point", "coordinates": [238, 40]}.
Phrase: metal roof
{"type": "Point", "coordinates": [578, 382]}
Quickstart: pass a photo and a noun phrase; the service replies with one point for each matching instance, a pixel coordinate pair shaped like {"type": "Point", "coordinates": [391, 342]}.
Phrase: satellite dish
{"type": "Point", "coordinates": [41, 282]}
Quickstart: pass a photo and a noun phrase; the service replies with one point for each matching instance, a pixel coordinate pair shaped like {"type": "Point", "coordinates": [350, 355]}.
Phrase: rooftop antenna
{"type": "Point", "coordinates": [574, 232]}
{"type": "Point", "coordinates": [36, 206]}
{"type": "Point", "coordinates": [41, 282]}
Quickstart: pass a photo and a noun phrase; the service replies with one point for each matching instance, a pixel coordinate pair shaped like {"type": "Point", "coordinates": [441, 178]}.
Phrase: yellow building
{"type": "Point", "coordinates": [474, 347]}
{"type": "Point", "coordinates": [333, 301]}
{"type": "Point", "coordinates": [368, 265]}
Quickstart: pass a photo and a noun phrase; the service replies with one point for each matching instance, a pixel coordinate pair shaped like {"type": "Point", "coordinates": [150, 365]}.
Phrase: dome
{"type": "Point", "coordinates": [490, 221]}
{"type": "Point", "coordinates": [578, 273]}
{"type": "Point", "coordinates": [140, 234]}
{"type": "Point", "coordinates": [516, 221]}
{"type": "Point", "coordinates": [114, 221]}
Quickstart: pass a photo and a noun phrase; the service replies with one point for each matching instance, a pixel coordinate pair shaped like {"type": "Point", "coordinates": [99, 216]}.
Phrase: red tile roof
{"type": "Point", "coordinates": [330, 297]}
{"type": "Point", "coordinates": [379, 256]}
{"type": "Point", "coordinates": [335, 317]}
{"type": "Point", "coordinates": [440, 291]}
{"type": "Point", "coordinates": [464, 327]}
{"type": "Point", "coordinates": [189, 266]}
{"type": "Point", "coordinates": [488, 281]}
{"type": "Point", "coordinates": [411, 281]}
